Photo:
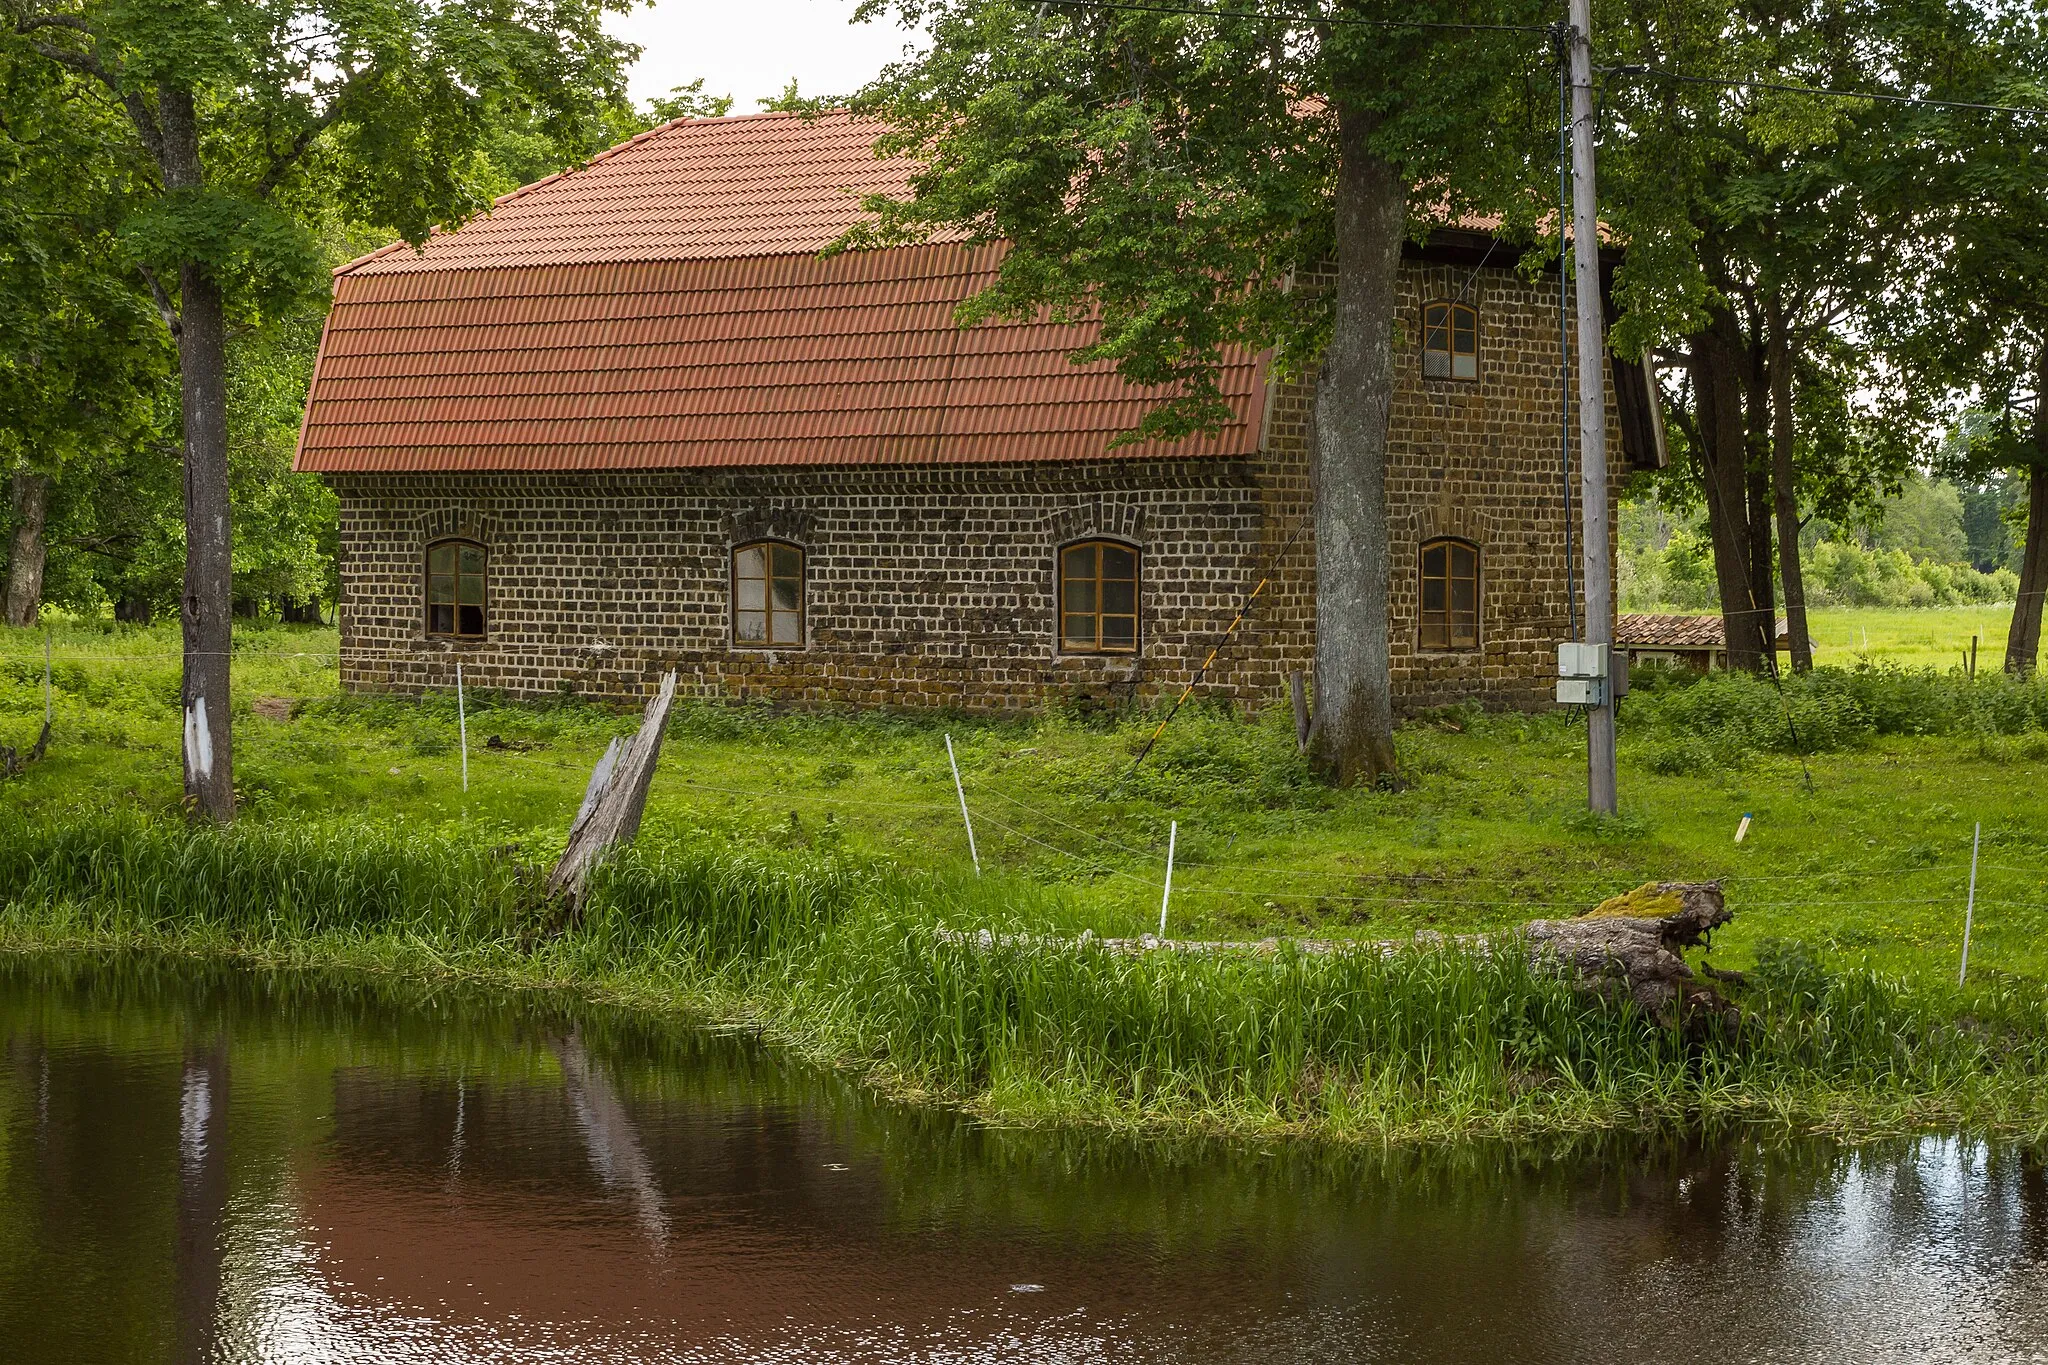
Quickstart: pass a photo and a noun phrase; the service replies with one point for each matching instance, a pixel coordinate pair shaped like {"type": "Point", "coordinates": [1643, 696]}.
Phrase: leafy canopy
{"type": "Point", "coordinates": [1173, 175]}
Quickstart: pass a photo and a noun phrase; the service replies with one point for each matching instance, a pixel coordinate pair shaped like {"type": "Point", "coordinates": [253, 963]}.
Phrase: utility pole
{"type": "Point", "coordinates": [1593, 537]}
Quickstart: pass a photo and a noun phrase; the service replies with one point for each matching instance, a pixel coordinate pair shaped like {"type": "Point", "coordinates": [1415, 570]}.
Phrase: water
{"type": "Point", "coordinates": [198, 1164]}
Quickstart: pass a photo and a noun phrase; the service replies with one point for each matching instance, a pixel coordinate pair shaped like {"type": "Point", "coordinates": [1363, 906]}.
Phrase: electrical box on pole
{"type": "Point", "coordinates": [1597, 570]}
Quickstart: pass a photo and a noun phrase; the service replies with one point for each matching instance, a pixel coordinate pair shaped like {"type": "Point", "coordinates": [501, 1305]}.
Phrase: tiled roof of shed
{"type": "Point", "coordinates": [664, 307]}
{"type": "Point", "coordinates": [1648, 630]}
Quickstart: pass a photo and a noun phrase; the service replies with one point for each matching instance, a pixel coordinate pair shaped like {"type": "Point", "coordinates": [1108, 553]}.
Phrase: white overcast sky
{"type": "Point", "coordinates": [751, 49]}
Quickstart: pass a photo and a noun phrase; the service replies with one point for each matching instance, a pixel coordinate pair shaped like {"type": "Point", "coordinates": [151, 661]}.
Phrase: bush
{"type": "Point", "coordinates": [1692, 729]}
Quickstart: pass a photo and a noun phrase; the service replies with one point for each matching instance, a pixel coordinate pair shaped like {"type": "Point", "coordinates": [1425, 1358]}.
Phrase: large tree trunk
{"type": "Point", "coordinates": [1763, 597]}
{"type": "Point", "coordinates": [28, 551]}
{"type": "Point", "coordinates": [1785, 493]}
{"type": "Point", "coordinates": [1352, 737]}
{"type": "Point", "coordinates": [1724, 470]}
{"type": "Point", "coordinates": [2023, 638]}
{"type": "Point", "coordinates": [206, 605]}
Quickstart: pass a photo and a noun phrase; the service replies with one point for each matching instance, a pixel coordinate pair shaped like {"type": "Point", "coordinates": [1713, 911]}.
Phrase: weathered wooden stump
{"type": "Point", "coordinates": [614, 801]}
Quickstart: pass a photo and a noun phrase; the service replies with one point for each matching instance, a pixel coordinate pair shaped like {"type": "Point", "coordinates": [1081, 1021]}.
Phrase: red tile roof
{"type": "Point", "coordinates": [1645, 630]}
{"type": "Point", "coordinates": [664, 307]}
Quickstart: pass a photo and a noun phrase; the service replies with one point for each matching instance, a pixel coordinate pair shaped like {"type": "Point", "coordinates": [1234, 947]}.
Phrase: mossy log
{"type": "Point", "coordinates": [1630, 946]}
{"type": "Point", "coordinates": [1627, 947]}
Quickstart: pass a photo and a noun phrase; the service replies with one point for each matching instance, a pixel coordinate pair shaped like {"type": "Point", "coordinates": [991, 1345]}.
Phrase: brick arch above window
{"type": "Point", "coordinates": [1101, 518]}
{"type": "Point", "coordinates": [1458, 518]}
{"type": "Point", "coordinates": [771, 521]}
{"type": "Point", "coordinates": [457, 522]}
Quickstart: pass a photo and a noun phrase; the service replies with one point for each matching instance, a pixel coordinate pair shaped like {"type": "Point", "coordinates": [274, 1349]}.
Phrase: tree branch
{"type": "Point", "coordinates": [164, 307]}
{"type": "Point", "coordinates": [89, 63]}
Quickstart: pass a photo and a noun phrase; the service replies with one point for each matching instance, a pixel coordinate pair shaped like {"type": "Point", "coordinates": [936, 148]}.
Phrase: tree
{"type": "Point", "coordinates": [1755, 233]}
{"type": "Point", "coordinates": [80, 350]}
{"type": "Point", "coordinates": [1231, 179]}
{"type": "Point", "coordinates": [1973, 321]}
{"type": "Point", "coordinates": [256, 120]}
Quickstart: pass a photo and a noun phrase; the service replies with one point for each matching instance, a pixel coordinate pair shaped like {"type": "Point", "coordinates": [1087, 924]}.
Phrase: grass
{"type": "Point", "coordinates": [866, 965]}
{"type": "Point", "coordinates": [795, 866]}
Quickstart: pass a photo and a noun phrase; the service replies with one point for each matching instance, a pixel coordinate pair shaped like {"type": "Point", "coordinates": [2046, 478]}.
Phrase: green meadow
{"type": "Point", "coordinates": [805, 874]}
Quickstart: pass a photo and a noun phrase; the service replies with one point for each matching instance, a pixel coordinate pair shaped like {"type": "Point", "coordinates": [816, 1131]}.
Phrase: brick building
{"type": "Point", "coordinates": [631, 420]}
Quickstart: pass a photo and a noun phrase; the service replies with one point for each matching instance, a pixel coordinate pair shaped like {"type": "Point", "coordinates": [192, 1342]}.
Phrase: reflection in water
{"type": "Point", "coordinates": [198, 1164]}
{"type": "Point", "coordinates": [615, 1152]}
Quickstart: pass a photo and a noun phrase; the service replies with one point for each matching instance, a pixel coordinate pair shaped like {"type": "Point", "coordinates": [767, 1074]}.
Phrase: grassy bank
{"type": "Point", "coordinates": [861, 964]}
{"type": "Point", "coordinates": [1859, 847]}
{"type": "Point", "coordinates": [796, 871]}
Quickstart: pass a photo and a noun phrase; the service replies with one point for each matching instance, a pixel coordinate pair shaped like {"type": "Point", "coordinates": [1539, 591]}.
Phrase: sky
{"type": "Point", "coordinates": [750, 50]}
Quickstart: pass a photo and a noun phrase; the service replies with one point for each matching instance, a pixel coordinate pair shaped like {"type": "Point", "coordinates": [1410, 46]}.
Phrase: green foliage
{"type": "Point", "coordinates": [690, 101]}
{"type": "Point", "coordinates": [1174, 175]}
{"type": "Point", "coordinates": [1716, 719]}
{"type": "Point", "coordinates": [788, 102]}
{"type": "Point", "coordinates": [1839, 574]}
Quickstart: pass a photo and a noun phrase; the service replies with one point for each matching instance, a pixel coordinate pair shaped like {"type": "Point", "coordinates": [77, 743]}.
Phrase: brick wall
{"type": "Point", "coordinates": [934, 586]}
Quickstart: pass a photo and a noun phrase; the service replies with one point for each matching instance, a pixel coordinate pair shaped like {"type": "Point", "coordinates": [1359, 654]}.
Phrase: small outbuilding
{"type": "Point", "coordinates": [1696, 642]}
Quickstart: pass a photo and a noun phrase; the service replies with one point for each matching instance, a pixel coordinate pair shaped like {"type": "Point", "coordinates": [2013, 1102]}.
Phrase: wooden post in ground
{"type": "Point", "coordinates": [615, 799]}
{"type": "Point", "coordinates": [1297, 691]}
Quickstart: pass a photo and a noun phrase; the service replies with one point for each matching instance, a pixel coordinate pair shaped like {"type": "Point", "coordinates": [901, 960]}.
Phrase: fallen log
{"type": "Point", "coordinates": [614, 801]}
{"type": "Point", "coordinates": [1627, 947]}
{"type": "Point", "coordinates": [1630, 945]}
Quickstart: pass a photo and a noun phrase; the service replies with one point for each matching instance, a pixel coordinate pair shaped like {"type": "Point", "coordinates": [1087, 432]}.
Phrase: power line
{"type": "Point", "coordinates": [1333, 20]}
{"type": "Point", "coordinates": [1782, 87]}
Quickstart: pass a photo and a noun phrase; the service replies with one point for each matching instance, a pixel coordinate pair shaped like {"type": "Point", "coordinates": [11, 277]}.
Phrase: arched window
{"type": "Point", "coordinates": [458, 589]}
{"type": "Point", "coordinates": [768, 595]}
{"type": "Point", "coordinates": [1098, 598]}
{"type": "Point", "coordinates": [1450, 595]}
{"type": "Point", "coordinates": [1450, 341]}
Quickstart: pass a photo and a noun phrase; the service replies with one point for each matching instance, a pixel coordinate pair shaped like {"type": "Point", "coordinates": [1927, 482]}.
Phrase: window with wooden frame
{"type": "Point", "coordinates": [1098, 598]}
{"type": "Point", "coordinates": [768, 595]}
{"type": "Point", "coordinates": [458, 589]}
{"type": "Point", "coordinates": [1450, 595]}
{"type": "Point", "coordinates": [1450, 341]}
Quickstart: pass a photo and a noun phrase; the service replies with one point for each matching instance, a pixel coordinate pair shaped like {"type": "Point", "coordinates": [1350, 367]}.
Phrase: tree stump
{"type": "Point", "coordinates": [1629, 947]}
{"type": "Point", "coordinates": [614, 801]}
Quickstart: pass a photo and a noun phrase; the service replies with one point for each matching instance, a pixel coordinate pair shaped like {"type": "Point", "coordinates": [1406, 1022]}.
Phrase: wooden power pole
{"type": "Point", "coordinates": [1593, 538]}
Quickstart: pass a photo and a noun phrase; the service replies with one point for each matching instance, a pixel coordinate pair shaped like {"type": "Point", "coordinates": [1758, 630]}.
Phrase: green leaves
{"type": "Point", "coordinates": [1173, 175]}
{"type": "Point", "coordinates": [274, 259]}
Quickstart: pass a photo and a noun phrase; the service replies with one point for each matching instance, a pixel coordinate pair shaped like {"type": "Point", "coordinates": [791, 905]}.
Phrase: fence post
{"type": "Point", "coordinates": [46, 678]}
{"type": "Point", "coordinates": [1172, 837]}
{"type": "Point", "coordinates": [961, 792]}
{"type": "Point", "coordinates": [462, 726]}
{"type": "Point", "coordinates": [1970, 906]}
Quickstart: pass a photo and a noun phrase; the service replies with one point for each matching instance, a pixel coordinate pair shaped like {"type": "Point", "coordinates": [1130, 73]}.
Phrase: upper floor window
{"type": "Point", "coordinates": [457, 589]}
{"type": "Point", "coordinates": [1450, 341]}
{"type": "Point", "coordinates": [1450, 595]}
{"type": "Point", "coordinates": [768, 595]}
{"type": "Point", "coordinates": [1098, 598]}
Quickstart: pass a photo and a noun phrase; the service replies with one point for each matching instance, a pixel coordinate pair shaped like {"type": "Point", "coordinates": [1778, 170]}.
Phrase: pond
{"type": "Point", "coordinates": [209, 1164]}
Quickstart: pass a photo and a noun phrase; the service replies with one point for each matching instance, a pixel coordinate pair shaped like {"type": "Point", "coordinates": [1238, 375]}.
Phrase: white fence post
{"type": "Point", "coordinates": [1166, 898]}
{"type": "Point", "coordinates": [961, 792]}
{"type": "Point", "coordinates": [1970, 906]}
{"type": "Point", "coordinates": [462, 726]}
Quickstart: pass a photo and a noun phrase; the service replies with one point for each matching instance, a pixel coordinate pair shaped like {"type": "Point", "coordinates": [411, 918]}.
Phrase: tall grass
{"type": "Point", "coordinates": [876, 968]}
